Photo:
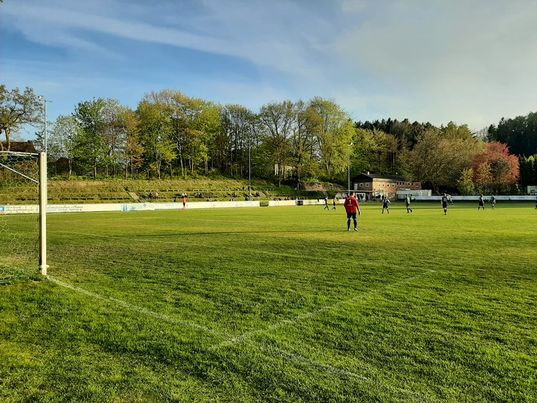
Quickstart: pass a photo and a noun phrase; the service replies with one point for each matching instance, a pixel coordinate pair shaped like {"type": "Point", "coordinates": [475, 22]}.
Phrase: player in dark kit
{"type": "Point", "coordinates": [352, 207]}
{"type": "Point", "coordinates": [481, 203]}
{"type": "Point", "coordinates": [407, 204]}
{"type": "Point", "coordinates": [386, 205]}
{"type": "Point", "coordinates": [444, 200]}
{"type": "Point", "coordinates": [492, 202]}
{"type": "Point", "coordinates": [326, 203]}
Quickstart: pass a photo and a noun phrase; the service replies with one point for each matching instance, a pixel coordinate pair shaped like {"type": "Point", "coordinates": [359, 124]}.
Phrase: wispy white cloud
{"type": "Point", "coordinates": [451, 60]}
{"type": "Point", "coordinates": [233, 31]}
{"type": "Point", "coordinates": [437, 61]}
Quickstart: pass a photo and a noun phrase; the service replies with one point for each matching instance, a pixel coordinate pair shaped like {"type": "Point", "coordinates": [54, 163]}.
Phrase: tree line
{"type": "Point", "coordinates": [170, 134]}
{"type": "Point", "coordinates": [520, 134]}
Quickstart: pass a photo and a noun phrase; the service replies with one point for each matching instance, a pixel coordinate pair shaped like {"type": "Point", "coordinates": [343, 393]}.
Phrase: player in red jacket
{"type": "Point", "coordinates": [352, 207]}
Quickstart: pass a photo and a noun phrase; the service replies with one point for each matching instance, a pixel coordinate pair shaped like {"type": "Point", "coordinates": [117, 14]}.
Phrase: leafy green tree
{"type": "Point", "coordinates": [276, 125]}
{"type": "Point", "coordinates": [62, 140]}
{"type": "Point", "coordinates": [194, 125]}
{"type": "Point", "coordinates": [406, 133]}
{"type": "Point", "coordinates": [18, 108]}
{"type": "Point", "coordinates": [519, 133]}
{"type": "Point", "coordinates": [90, 148]}
{"type": "Point", "coordinates": [454, 131]}
{"type": "Point", "coordinates": [132, 155]}
{"type": "Point", "coordinates": [375, 151]}
{"type": "Point", "coordinates": [528, 170]}
{"type": "Point", "coordinates": [156, 137]}
{"type": "Point", "coordinates": [235, 140]}
{"type": "Point", "coordinates": [465, 184]}
{"type": "Point", "coordinates": [303, 142]}
{"type": "Point", "coordinates": [334, 134]}
{"type": "Point", "coordinates": [205, 124]}
{"type": "Point", "coordinates": [114, 137]}
{"type": "Point", "coordinates": [438, 160]}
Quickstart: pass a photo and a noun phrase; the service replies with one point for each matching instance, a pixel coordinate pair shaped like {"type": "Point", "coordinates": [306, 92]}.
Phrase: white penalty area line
{"type": "Point", "coordinates": [292, 321]}
{"type": "Point", "coordinates": [311, 363]}
{"type": "Point", "coordinates": [245, 337]}
{"type": "Point", "coordinates": [137, 309]}
{"type": "Point", "coordinates": [308, 362]}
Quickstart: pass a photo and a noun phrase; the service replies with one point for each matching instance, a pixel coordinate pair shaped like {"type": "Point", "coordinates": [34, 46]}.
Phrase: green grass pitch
{"type": "Point", "coordinates": [277, 304]}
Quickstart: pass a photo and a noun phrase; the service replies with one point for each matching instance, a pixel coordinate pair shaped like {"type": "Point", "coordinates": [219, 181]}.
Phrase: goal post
{"type": "Point", "coordinates": [43, 197]}
{"type": "Point", "coordinates": [23, 218]}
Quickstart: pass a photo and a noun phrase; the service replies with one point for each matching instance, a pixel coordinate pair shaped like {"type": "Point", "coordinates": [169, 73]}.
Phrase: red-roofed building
{"type": "Point", "coordinates": [373, 185]}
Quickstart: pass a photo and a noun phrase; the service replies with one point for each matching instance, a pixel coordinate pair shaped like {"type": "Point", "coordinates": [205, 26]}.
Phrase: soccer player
{"type": "Point", "coordinates": [386, 205]}
{"type": "Point", "coordinates": [185, 199]}
{"type": "Point", "coordinates": [326, 203]}
{"type": "Point", "coordinates": [492, 202]}
{"type": "Point", "coordinates": [334, 202]}
{"type": "Point", "coordinates": [481, 203]}
{"type": "Point", "coordinates": [444, 201]}
{"type": "Point", "coordinates": [407, 204]}
{"type": "Point", "coordinates": [351, 208]}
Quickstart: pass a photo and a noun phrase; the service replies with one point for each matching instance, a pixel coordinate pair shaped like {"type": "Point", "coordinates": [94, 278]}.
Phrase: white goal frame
{"type": "Point", "coordinates": [42, 183]}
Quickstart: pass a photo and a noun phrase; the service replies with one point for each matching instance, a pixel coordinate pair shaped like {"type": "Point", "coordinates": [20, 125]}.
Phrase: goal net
{"type": "Point", "coordinates": [21, 224]}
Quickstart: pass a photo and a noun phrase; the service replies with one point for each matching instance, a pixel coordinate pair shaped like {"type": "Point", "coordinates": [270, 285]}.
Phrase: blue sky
{"type": "Point", "coordinates": [468, 61]}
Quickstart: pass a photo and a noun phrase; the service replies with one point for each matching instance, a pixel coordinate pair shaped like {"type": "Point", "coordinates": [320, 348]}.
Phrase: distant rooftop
{"type": "Point", "coordinates": [378, 176]}
{"type": "Point", "coordinates": [20, 146]}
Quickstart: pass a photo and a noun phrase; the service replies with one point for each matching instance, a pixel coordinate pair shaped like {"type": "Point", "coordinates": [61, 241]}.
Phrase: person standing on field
{"type": "Point", "coordinates": [326, 203]}
{"type": "Point", "coordinates": [185, 199]}
{"type": "Point", "coordinates": [444, 201]}
{"type": "Point", "coordinates": [386, 205]}
{"type": "Point", "coordinates": [481, 203]}
{"type": "Point", "coordinates": [351, 208]}
{"type": "Point", "coordinates": [492, 202]}
{"type": "Point", "coordinates": [334, 202]}
{"type": "Point", "coordinates": [407, 204]}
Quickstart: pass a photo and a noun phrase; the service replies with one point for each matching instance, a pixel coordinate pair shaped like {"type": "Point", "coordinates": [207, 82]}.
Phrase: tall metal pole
{"type": "Point", "coordinates": [349, 177]}
{"type": "Point", "coordinates": [46, 123]}
{"type": "Point", "coordinates": [43, 213]}
{"type": "Point", "coordinates": [349, 170]}
{"type": "Point", "coordinates": [249, 169]}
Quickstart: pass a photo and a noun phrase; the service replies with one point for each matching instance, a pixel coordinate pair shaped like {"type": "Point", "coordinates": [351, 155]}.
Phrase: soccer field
{"type": "Point", "coordinates": [278, 304]}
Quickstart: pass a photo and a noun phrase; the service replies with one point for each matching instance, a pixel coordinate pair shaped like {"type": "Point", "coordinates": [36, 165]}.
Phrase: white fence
{"type": "Point", "coordinates": [283, 203]}
{"type": "Point", "coordinates": [476, 198]}
{"type": "Point", "coordinates": [402, 194]}
{"type": "Point", "coordinates": [125, 207]}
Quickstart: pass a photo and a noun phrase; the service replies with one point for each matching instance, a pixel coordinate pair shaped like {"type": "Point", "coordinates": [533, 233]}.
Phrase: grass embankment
{"type": "Point", "coordinates": [166, 190]}
{"type": "Point", "coordinates": [278, 304]}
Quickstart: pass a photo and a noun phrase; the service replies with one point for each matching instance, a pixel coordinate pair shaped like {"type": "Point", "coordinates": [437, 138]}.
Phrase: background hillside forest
{"type": "Point", "coordinates": [171, 135]}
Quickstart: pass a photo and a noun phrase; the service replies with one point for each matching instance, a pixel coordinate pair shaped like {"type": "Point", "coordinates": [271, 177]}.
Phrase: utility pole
{"type": "Point", "coordinates": [349, 171]}
{"type": "Point", "coordinates": [45, 124]}
{"type": "Point", "coordinates": [249, 168]}
{"type": "Point", "coordinates": [349, 178]}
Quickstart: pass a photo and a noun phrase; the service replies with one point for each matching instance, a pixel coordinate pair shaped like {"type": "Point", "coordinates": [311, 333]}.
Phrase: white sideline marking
{"type": "Point", "coordinates": [136, 308]}
{"type": "Point", "coordinates": [329, 368]}
{"type": "Point", "coordinates": [296, 319]}
{"type": "Point", "coordinates": [308, 361]}
{"type": "Point", "coordinates": [229, 341]}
